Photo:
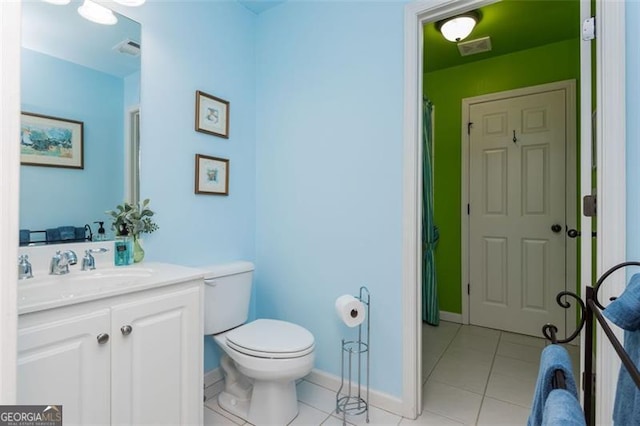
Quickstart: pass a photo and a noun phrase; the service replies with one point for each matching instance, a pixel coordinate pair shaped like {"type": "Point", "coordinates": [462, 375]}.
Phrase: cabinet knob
{"type": "Point", "coordinates": [103, 338]}
{"type": "Point", "coordinates": [126, 330]}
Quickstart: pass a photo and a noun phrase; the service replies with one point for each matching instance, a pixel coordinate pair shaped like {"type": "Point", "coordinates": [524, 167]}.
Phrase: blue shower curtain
{"type": "Point", "coordinates": [430, 309]}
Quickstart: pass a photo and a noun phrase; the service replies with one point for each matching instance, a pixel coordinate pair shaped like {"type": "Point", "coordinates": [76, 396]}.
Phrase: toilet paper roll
{"type": "Point", "coordinates": [350, 310]}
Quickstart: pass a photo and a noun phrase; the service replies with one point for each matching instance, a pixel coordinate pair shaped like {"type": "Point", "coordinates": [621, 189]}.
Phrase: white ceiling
{"type": "Point", "coordinates": [61, 32]}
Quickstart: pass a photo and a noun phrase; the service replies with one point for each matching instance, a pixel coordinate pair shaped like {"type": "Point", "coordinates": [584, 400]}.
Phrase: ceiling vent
{"type": "Point", "coordinates": [128, 47]}
{"type": "Point", "coordinates": [472, 47]}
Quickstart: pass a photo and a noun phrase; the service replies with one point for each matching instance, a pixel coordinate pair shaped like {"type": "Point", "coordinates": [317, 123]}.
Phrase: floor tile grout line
{"type": "Point", "coordinates": [486, 385]}
{"type": "Point", "coordinates": [442, 354]}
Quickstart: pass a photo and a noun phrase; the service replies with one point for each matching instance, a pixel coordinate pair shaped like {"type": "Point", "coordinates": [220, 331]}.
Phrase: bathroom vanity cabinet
{"type": "Point", "coordinates": [128, 359]}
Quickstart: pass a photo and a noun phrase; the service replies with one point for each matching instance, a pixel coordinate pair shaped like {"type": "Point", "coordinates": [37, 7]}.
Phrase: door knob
{"type": "Point", "coordinates": [556, 228]}
{"type": "Point", "coordinates": [126, 330]}
{"type": "Point", "coordinates": [103, 338]}
{"type": "Point", "coordinates": [572, 233]}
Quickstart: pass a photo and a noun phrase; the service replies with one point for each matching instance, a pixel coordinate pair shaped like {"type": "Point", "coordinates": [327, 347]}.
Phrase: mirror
{"type": "Point", "coordinates": [74, 70]}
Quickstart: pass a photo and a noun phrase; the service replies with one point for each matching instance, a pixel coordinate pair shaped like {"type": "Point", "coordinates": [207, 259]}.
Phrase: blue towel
{"type": "Point", "coordinates": [554, 357]}
{"type": "Point", "coordinates": [625, 310]}
{"type": "Point", "coordinates": [79, 234]}
{"type": "Point", "coordinates": [562, 409]}
{"type": "Point", "coordinates": [625, 313]}
{"type": "Point", "coordinates": [53, 235]}
{"type": "Point", "coordinates": [25, 236]}
{"type": "Point", "coordinates": [626, 409]}
{"type": "Point", "coordinates": [67, 233]}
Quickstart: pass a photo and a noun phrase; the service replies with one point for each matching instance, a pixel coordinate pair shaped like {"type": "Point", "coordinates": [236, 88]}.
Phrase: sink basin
{"type": "Point", "coordinates": [79, 284]}
{"type": "Point", "coordinates": [46, 291]}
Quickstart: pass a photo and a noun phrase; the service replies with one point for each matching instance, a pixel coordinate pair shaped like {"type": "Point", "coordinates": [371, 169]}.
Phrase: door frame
{"type": "Point", "coordinates": [569, 86]}
{"type": "Point", "coordinates": [9, 194]}
{"type": "Point", "coordinates": [610, 85]}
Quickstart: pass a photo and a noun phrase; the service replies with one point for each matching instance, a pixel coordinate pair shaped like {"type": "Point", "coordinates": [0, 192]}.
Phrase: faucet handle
{"type": "Point", "coordinates": [88, 261]}
{"type": "Point", "coordinates": [24, 267]}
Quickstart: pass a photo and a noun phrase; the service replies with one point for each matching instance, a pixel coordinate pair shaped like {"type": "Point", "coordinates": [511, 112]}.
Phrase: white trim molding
{"type": "Point", "coordinates": [416, 15]}
{"type": "Point", "coordinates": [611, 141]}
{"type": "Point", "coordinates": [451, 317]}
{"type": "Point", "coordinates": [376, 398]}
{"type": "Point", "coordinates": [9, 193]}
{"type": "Point", "coordinates": [213, 383]}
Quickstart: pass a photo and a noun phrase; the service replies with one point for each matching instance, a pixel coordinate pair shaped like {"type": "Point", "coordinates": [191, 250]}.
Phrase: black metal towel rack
{"type": "Point", "coordinates": [589, 309]}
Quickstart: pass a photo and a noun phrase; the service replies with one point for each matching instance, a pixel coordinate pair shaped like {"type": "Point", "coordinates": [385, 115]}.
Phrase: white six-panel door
{"type": "Point", "coordinates": [517, 193]}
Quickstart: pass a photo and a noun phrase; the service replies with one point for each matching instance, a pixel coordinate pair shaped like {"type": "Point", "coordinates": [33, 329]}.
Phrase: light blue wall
{"type": "Point", "coordinates": [329, 172]}
{"type": "Point", "coordinates": [189, 46]}
{"type": "Point", "coordinates": [58, 88]}
{"type": "Point", "coordinates": [633, 128]}
{"type": "Point", "coordinates": [132, 90]}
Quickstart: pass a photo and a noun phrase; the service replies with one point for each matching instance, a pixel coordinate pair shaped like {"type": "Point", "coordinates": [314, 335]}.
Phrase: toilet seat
{"type": "Point", "coordinates": [267, 338]}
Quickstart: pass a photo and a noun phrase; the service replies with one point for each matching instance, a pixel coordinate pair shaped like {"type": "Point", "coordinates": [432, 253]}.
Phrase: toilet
{"type": "Point", "coordinates": [261, 359]}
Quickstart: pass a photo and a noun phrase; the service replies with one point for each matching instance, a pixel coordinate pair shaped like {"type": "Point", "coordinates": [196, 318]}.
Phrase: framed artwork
{"type": "Point", "coordinates": [212, 175]}
{"type": "Point", "coordinates": [212, 115]}
{"type": "Point", "coordinates": [51, 141]}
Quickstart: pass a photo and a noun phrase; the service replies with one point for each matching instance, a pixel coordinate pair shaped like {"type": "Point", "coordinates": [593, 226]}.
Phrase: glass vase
{"type": "Point", "coordinates": [138, 251]}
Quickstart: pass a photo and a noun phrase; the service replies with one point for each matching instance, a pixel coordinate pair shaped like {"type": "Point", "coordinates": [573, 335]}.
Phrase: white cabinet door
{"type": "Point", "coordinates": [62, 362]}
{"type": "Point", "coordinates": [157, 367]}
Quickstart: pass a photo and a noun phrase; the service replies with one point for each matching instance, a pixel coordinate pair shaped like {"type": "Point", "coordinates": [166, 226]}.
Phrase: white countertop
{"type": "Point", "coordinates": [52, 291]}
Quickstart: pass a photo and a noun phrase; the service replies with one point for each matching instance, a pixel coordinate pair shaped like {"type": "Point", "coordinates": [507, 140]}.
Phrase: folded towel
{"type": "Point", "coordinates": [625, 310]}
{"type": "Point", "coordinates": [562, 409]}
{"type": "Point", "coordinates": [67, 233]}
{"type": "Point", "coordinates": [25, 236]}
{"type": "Point", "coordinates": [554, 357]}
{"type": "Point", "coordinates": [79, 234]}
{"type": "Point", "coordinates": [626, 409]}
{"type": "Point", "coordinates": [53, 235]}
{"type": "Point", "coordinates": [625, 313]}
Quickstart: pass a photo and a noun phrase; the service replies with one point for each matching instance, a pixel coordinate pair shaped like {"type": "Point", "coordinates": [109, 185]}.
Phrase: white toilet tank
{"type": "Point", "coordinates": [227, 294]}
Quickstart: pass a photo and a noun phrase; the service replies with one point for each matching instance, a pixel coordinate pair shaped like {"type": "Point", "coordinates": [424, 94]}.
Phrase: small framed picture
{"type": "Point", "coordinates": [212, 115]}
{"type": "Point", "coordinates": [51, 141]}
{"type": "Point", "coordinates": [212, 175]}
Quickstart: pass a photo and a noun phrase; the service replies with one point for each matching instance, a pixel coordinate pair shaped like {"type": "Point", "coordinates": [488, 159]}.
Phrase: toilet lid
{"type": "Point", "coordinates": [269, 338]}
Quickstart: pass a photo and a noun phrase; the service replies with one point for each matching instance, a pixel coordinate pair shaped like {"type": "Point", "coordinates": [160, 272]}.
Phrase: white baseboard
{"type": "Point", "coordinates": [378, 399]}
{"type": "Point", "coordinates": [451, 317]}
{"type": "Point", "coordinates": [213, 383]}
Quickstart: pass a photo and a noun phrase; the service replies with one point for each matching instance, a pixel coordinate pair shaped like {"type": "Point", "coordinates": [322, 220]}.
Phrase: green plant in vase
{"type": "Point", "coordinates": [132, 220]}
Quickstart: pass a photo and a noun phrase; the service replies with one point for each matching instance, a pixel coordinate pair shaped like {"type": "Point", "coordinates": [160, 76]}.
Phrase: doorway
{"type": "Point", "coordinates": [519, 182]}
{"type": "Point", "coordinates": [610, 85]}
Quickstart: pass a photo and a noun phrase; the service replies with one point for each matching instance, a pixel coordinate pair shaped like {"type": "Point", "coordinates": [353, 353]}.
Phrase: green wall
{"type": "Point", "coordinates": [446, 88]}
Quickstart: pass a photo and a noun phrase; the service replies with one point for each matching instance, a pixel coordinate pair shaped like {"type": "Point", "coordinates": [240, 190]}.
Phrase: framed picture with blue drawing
{"type": "Point", "coordinates": [212, 175]}
{"type": "Point", "coordinates": [212, 115]}
{"type": "Point", "coordinates": [51, 141]}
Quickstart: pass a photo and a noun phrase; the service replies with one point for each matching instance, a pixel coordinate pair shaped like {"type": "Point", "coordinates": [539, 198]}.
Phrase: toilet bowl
{"type": "Point", "coordinates": [261, 359]}
{"type": "Point", "coordinates": [272, 370]}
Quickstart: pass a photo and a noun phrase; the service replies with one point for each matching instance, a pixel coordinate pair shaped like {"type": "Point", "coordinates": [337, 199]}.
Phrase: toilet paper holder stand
{"type": "Point", "coordinates": [351, 398]}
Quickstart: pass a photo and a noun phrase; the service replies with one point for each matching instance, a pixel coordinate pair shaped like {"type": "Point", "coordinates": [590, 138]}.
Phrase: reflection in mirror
{"type": "Point", "coordinates": [76, 70]}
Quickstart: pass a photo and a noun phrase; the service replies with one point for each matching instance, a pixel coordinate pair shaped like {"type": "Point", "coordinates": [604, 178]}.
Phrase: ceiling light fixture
{"type": "Point", "coordinates": [130, 2]}
{"type": "Point", "coordinates": [97, 13]}
{"type": "Point", "coordinates": [459, 27]}
{"type": "Point", "coordinates": [58, 2]}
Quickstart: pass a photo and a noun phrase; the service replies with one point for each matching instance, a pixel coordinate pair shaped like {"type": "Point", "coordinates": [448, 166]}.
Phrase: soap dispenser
{"type": "Point", "coordinates": [102, 235]}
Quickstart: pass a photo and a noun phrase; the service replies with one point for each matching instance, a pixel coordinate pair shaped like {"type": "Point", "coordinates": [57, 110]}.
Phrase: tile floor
{"type": "Point", "coordinates": [471, 375]}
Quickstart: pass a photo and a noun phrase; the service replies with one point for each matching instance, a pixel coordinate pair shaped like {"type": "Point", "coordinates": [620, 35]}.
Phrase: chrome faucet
{"type": "Point", "coordinates": [60, 262]}
{"type": "Point", "coordinates": [88, 261]}
{"type": "Point", "coordinates": [24, 267]}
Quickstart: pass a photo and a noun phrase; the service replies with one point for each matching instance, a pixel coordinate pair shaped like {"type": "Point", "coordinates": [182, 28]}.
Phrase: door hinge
{"type": "Point", "coordinates": [469, 125]}
{"type": "Point", "coordinates": [589, 29]}
{"type": "Point", "coordinates": [468, 209]}
{"type": "Point", "coordinates": [590, 205]}
{"type": "Point", "coordinates": [468, 288]}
